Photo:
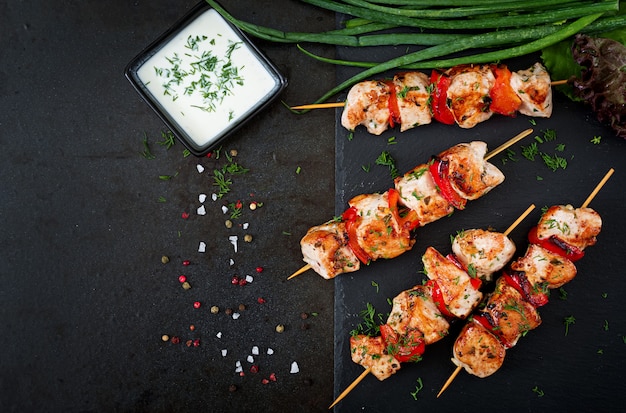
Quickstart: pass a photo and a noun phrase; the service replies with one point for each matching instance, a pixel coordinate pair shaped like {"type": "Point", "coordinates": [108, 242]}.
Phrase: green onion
{"type": "Point", "coordinates": [409, 59]}
{"type": "Point", "coordinates": [445, 28]}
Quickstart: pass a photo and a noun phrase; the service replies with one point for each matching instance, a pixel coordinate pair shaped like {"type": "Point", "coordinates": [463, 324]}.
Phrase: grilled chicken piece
{"type": "Point", "coordinates": [372, 352]}
{"type": "Point", "coordinates": [544, 268]}
{"type": "Point", "coordinates": [478, 351]}
{"type": "Point", "coordinates": [415, 309]}
{"type": "Point", "coordinates": [468, 94]}
{"type": "Point", "coordinates": [367, 104]}
{"type": "Point", "coordinates": [325, 247]}
{"type": "Point", "coordinates": [484, 251]}
{"type": "Point", "coordinates": [470, 175]}
{"type": "Point", "coordinates": [509, 313]}
{"type": "Point", "coordinates": [418, 192]}
{"type": "Point", "coordinates": [412, 93]}
{"type": "Point", "coordinates": [378, 232]}
{"type": "Point", "coordinates": [534, 88]}
{"type": "Point", "coordinates": [576, 226]}
{"type": "Point", "coordinates": [459, 296]}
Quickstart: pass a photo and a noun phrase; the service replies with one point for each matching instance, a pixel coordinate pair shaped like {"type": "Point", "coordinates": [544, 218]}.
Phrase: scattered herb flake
{"type": "Point", "coordinates": [606, 325]}
{"type": "Point", "coordinates": [569, 320]}
{"type": "Point", "coordinates": [168, 139]}
{"type": "Point", "coordinates": [418, 388]}
{"type": "Point", "coordinates": [146, 148]}
{"type": "Point", "coordinates": [596, 140]}
{"type": "Point", "coordinates": [385, 159]}
{"type": "Point", "coordinates": [375, 285]}
{"type": "Point", "coordinates": [539, 392]}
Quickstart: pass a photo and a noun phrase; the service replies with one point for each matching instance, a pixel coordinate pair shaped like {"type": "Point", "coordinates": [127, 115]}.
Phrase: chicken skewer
{"type": "Point", "coordinates": [464, 95]}
{"type": "Point", "coordinates": [421, 315]}
{"type": "Point", "coordinates": [426, 193]}
{"type": "Point", "coordinates": [546, 265]}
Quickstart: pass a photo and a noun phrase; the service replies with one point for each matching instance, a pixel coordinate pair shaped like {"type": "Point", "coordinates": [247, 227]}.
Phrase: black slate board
{"type": "Point", "coordinates": [547, 370]}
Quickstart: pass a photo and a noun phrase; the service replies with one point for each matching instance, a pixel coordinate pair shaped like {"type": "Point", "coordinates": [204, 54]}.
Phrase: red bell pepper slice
{"type": "Point", "coordinates": [409, 221]}
{"type": "Point", "coordinates": [484, 321]}
{"type": "Point", "coordinates": [556, 245]}
{"type": "Point", "coordinates": [474, 280]}
{"type": "Point", "coordinates": [394, 109]}
{"type": "Point", "coordinates": [439, 98]}
{"type": "Point", "coordinates": [437, 295]}
{"type": "Point", "coordinates": [439, 171]}
{"type": "Point", "coordinates": [518, 280]}
{"type": "Point", "coordinates": [349, 217]}
{"type": "Point", "coordinates": [405, 348]}
{"type": "Point", "coordinates": [504, 100]}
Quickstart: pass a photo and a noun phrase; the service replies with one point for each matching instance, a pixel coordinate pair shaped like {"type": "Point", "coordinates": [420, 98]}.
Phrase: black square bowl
{"type": "Point", "coordinates": [204, 78]}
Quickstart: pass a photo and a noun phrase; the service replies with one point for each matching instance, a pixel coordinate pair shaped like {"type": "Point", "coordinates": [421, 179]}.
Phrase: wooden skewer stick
{"type": "Point", "coordinates": [300, 271]}
{"type": "Point", "coordinates": [508, 143]}
{"type": "Point", "coordinates": [342, 104]}
{"type": "Point", "coordinates": [450, 380]}
{"type": "Point", "coordinates": [490, 155]}
{"type": "Point", "coordinates": [597, 188]}
{"type": "Point", "coordinates": [368, 370]}
{"type": "Point", "coordinates": [584, 205]}
{"type": "Point", "coordinates": [350, 387]}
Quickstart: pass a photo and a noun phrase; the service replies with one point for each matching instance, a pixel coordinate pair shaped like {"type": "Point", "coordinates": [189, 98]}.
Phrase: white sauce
{"type": "Point", "coordinates": [250, 85]}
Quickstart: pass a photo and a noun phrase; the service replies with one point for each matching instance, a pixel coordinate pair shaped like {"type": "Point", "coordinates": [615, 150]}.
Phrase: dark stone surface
{"type": "Point", "coordinates": [85, 298]}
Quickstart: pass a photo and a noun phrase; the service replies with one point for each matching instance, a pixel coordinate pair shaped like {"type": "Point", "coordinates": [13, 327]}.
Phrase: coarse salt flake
{"type": "Point", "coordinates": [219, 335]}
{"type": "Point", "coordinates": [202, 198]}
{"type": "Point", "coordinates": [250, 359]}
{"type": "Point", "coordinates": [245, 225]}
{"type": "Point", "coordinates": [238, 367]}
{"type": "Point", "coordinates": [233, 240]}
{"type": "Point", "coordinates": [200, 168]}
{"type": "Point", "coordinates": [255, 350]}
{"type": "Point", "coordinates": [224, 352]}
{"type": "Point", "coordinates": [201, 210]}
{"type": "Point", "coordinates": [236, 316]}
{"type": "Point", "coordinates": [270, 351]}
{"type": "Point", "coordinates": [224, 209]}
{"type": "Point", "coordinates": [214, 196]}
{"type": "Point", "coordinates": [249, 278]}
{"type": "Point", "coordinates": [294, 368]}
{"type": "Point", "coordinates": [202, 246]}
{"type": "Point", "coordinates": [231, 262]}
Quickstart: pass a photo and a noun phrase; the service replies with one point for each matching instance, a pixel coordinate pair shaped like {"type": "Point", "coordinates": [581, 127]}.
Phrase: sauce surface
{"type": "Point", "coordinates": [207, 78]}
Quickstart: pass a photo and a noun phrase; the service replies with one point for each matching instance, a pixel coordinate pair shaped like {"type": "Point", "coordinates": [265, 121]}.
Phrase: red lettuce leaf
{"type": "Point", "coordinates": [602, 82]}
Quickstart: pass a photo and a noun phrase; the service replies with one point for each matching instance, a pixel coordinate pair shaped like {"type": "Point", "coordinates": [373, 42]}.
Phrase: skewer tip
{"type": "Point", "coordinates": [450, 380]}
{"type": "Point", "coordinates": [300, 271]}
{"type": "Point", "coordinates": [350, 387]}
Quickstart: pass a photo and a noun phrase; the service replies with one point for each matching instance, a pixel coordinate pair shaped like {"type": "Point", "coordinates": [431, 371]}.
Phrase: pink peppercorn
{"type": "Point", "coordinates": [182, 278]}
{"type": "Point", "coordinates": [241, 374]}
{"type": "Point", "coordinates": [196, 342]}
{"type": "Point", "coordinates": [175, 340]}
{"type": "Point", "coordinates": [254, 368]}
{"type": "Point", "coordinates": [197, 304]}
{"type": "Point", "coordinates": [265, 381]}
{"type": "Point", "coordinates": [260, 300]}
{"type": "Point", "coordinates": [234, 280]}
{"type": "Point", "coordinates": [242, 281]}
{"type": "Point", "coordinates": [273, 377]}
{"type": "Point", "coordinates": [186, 263]}
{"type": "Point", "coordinates": [259, 269]}
{"type": "Point", "coordinates": [185, 215]}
